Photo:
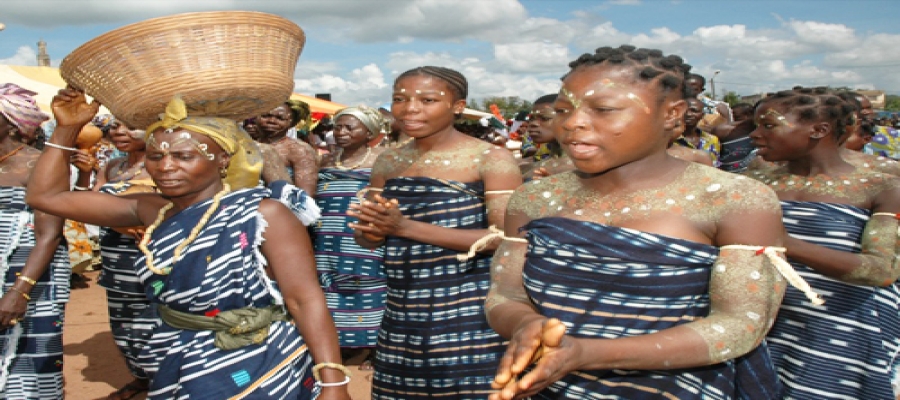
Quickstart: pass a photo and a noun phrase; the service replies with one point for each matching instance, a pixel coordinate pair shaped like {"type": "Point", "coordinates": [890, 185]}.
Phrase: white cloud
{"type": "Point", "coordinates": [534, 57]}
{"type": "Point", "coordinates": [514, 53]}
{"type": "Point", "coordinates": [364, 85]}
{"type": "Point", "coordinates": [827, 36]}
{"type": "Point", "coordinates": [24, 56]}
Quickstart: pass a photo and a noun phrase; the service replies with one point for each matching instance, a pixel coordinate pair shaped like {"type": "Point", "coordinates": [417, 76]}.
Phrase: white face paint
{"type": "Point", "coordinates": [183, 137]}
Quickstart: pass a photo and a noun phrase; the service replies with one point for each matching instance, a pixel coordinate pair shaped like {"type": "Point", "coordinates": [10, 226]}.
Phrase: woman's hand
{"type": "Point", "coordinates": [12, 307]}
{"type": "Point", "coordinates": [70, 108]}
{"type": "Point", "coordinates": [83, 161]}
{"type": "Point", "coordinates": [378, 219]}
{"type": "Point", "coordinates": [542, 343]}
{"type": "Point", "coordinates": [541, 173]}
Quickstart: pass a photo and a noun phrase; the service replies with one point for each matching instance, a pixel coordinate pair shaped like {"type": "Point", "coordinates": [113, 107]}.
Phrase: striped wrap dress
{"type": "Point", "coordinates": [219, 271]}
{"type": "Point", "coordinates": [435, 341]}
{"type": "Point", "coordinates": [610, 282]}
{"type": "Point", "coordinates": [848, 347]}
{"type": "Point", "coordinates": [32, 351]}
{"type": "Point", "coordinates": [351, 276]}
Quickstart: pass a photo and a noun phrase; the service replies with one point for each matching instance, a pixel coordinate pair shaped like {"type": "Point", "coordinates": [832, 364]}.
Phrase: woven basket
{"type": "Point", "coordinates": [232, 64]}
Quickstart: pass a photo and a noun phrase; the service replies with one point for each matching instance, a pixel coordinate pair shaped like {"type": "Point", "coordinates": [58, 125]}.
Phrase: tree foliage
{"type": "Point", "coordinates": [892, 103]}
{"type": "Point", "coordinates": [731, 98]}
{"type": "Point", "coordinates": [509, 106]}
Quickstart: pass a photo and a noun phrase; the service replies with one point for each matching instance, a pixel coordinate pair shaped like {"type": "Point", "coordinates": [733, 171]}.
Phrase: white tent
{"type": "Point", "coordinates": [43, 80]}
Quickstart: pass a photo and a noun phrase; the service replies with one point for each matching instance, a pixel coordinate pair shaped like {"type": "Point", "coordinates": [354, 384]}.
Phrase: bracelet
{"type": "Point", "coordinates": [59, 146]}
{"type": "Point", "coordinates": [25, 295]}
{"type": "Point", "coordinates": [333, 384]}
{"type": "Point", "coordinates": [339, 367]}
{"type": "Point", "coordinates": [76, 187]}
{"type": "Point", "coordinates": [27, 279]}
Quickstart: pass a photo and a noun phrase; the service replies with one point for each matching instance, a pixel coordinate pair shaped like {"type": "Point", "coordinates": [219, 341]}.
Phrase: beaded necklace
{"type": "Point", "coordinates": [194, 232]}
{"type": "Point", "coordinates": [11, 153]}
{"type": "Point", "coordinates": [122, 169]}
{"type": "Point", "coordinates": [337, 160]}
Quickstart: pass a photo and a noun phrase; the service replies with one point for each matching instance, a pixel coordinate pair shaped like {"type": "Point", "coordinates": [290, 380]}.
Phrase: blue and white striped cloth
{"type": "Point", "coordinates": [610, 282]}
{"type": "Point", "coordinates": [848, 347]}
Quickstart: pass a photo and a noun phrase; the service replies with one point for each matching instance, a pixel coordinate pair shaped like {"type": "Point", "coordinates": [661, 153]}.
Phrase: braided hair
{"type": "Point", "coordinates": [815, 104]}
{"type": "Point", "coordinates": [650, 64]}
{"type": "Point", "coordinates": [457, 82]}
{"type": "Point", "coordinates": [547, 98]}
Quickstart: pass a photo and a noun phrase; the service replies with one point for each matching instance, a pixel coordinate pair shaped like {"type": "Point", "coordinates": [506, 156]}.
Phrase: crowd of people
{"type": "Point", "coordinates": [632, 239]}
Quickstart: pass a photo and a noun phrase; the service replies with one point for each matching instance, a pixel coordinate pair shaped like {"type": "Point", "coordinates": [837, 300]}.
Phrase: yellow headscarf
{"type": "Point", "coordinates": [246, 161]}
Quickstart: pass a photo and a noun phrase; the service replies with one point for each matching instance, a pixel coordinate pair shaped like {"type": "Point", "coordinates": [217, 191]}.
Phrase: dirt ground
{"type": "Point", "coordinates": [94, 367]}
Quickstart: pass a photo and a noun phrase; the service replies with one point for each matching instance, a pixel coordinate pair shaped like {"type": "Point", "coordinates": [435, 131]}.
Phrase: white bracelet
{"type": "Point", "coordinates": [333, 384]}
{"type": "Point", "coordinates": [59, 146]}
{"type": "Point", "coordinates": [76, 187]}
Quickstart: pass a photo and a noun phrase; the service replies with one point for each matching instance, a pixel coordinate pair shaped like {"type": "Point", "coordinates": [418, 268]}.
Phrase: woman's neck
{"type": "Point", "coordinates": [275, 137]}
{"type": "Point", "coordinates": [440, 140]}
{"type": "Point", "coordinates": [136, 157]}
{"type": "Point", "coordinates": [691, 131]}
{"type": "Point", "coordinates": [653, 171]}
{"type": "Point", "coordinates": [350, 152]}
{"type": "Point", "coordinates": [8, 144]}
{"type": "Point", "coordinates": [821, 160]}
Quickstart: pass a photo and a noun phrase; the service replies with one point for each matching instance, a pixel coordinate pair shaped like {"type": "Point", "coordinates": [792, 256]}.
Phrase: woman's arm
{"type": "Point", "coordinates": [51, 193]}
{"type": "Point", "coordinates": [305, 163]}
{"type": "Point", "coordinates": [876, 264]}
{"type": "Point", "coordinates": [290, 258]}
{"type": "Point", "coordinates": [48, 236]}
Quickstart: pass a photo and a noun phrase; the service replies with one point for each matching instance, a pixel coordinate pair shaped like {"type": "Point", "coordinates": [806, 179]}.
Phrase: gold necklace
{"type": "Point", "coordinates": [337, 160]}
{"type": "Point", "coordinates": [194, 232]}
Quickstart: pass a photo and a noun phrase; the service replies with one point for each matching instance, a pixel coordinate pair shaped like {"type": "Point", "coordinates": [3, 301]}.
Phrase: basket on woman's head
{"type": "Point", "coordinates": [229, 64]}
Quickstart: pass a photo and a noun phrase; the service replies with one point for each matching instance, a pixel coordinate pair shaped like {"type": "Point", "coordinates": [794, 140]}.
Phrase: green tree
{"type": "Point", "coordinates": [892, 103]}
{"type": "Point", "coordinates": [509, 106]}
{"type": "Point", "coordinates": [731, 98]}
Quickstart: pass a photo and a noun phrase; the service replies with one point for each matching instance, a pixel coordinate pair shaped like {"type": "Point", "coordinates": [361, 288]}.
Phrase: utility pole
{"type": "Point", "coordinates": [712, 83]}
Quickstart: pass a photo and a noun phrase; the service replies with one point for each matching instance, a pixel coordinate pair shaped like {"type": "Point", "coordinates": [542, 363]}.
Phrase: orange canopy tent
{"type": "Point", "coordinates": [317, 105]}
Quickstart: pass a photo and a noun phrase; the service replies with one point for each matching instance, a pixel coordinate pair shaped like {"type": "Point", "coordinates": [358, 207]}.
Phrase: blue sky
{"type": "Point", "coordinates": [520, 48]}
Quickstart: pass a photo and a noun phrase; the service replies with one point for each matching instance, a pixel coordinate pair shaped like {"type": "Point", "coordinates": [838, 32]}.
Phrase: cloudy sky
{"type": "Point", "coordinates": [520, 48]}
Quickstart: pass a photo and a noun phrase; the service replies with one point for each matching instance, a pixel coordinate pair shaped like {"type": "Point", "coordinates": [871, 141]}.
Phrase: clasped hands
{"type": "Point", "coordinates": [541, 344]}
{"type": "Point", "coordinates": [378, 218]}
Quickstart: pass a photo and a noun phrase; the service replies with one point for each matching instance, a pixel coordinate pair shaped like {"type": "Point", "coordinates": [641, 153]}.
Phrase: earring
{"type": "Point", "coordinates": [223, 172]}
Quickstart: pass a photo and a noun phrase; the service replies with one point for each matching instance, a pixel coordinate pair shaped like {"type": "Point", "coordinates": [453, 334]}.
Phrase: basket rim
{"type": "Point", "coordinates": [169, 22]}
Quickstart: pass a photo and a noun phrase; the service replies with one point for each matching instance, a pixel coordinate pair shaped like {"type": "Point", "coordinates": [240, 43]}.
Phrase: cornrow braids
{"type": "Point", "coordinates": [458, 83]}
{"type": "Point", "coordinates": [815, 105]}
{"type": "Point", "coordinates": [650, 64]}
{"type": "Point", "coordinates": [547, 98]}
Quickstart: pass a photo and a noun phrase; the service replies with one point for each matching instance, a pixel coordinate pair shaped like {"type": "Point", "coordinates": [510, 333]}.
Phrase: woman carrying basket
{"type": "Point", "coordinates": [220, 262]}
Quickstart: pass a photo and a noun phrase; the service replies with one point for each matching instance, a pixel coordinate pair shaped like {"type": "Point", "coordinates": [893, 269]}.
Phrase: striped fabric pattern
{"type": "Point", "coordinates": [32, 351]}
{"type": "Point", "coordinates": [609, 282]}
{"type": "Point", "coordinates": [435, 341]}
{"type": "Point", "coordinates": [125, 295]}
{"type": "Point", "coordinates": [352, 276]}
{"type": "Point", "coordinates": [848, 347]}
{"type": "Point", "coordinates": [221, 270]}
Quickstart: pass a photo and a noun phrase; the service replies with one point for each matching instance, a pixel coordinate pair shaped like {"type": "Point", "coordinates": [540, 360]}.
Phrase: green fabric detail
{"type": "Point", "coordinates": [234, 328]}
